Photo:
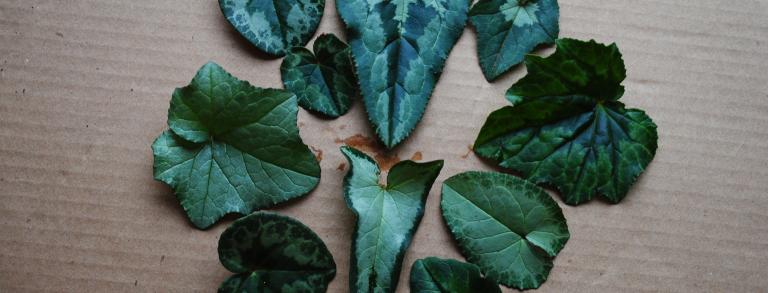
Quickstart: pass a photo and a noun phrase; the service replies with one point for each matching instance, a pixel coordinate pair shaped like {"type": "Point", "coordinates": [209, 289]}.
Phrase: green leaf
{"type": "Point", "coordinates": [507, 30]}
{"type": "Point", "coordinates": [232, 148]}
{"type": "Point", "coordinates": [507, 226]}
{"type": "Point", "coordinates": [274, 26]}
{"type": "Point", "coordinates": [566, 127]}
{"type": "Point", "coordinates": [449, 276]}
{"type": "Point", "coordinates": [387, 217]}
{"type": "Point", "coordinates": [400, 48]}
{"type": "Point", "coordinates": [324, 81]}
{"type": "Point", "coordinates": [273, 253]}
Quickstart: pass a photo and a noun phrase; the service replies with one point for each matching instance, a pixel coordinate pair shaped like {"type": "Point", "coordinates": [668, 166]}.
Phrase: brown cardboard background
{"type": "Point", "coordinates": [85, 86]}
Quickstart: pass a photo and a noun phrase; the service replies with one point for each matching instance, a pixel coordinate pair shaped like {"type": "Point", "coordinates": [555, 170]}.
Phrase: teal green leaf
{"type": "Point", "coordinates": [274, 26]}
{"type": "Point", "coordinates": [507, 30]}
{"type": "Point", "coordinates": [509, 227]}
{"type": "Point", "coordinates": [400, 48]}
{"type": "Point", "coordinates": [449, 276]}
{"type": "Point", "coordinates": [232, 148]}
{"type": "Point", "coordinates": [325, 81]}
{"type": "Point", "coordinates": [273, 253]}
{"type": "Point", "coordinates": [387, 217]}
{"type": "Point", "coordinates": [566, 127]}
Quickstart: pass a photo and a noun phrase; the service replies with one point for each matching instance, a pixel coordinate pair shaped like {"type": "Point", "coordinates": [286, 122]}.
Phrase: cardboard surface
{"type": "Point", "coordinates": [85, 86]}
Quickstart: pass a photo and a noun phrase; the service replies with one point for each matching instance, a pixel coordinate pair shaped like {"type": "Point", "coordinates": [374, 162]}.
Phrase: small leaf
{"type": "Point", "coordinates": [274, 26]}
{"type": "Point", "coordinates": [449, 276]}
{"type": "Point", "coordinates": [400, 48]}
{"type": "Point", "coordinates": [273, 253]}
{"type": "Point", "coordinates": [507, 226]}
{"type": "Point", "coordinates": [232, 148]}
{"type": "Point", "coordinates": [567, 128]}
{"type": "Point", "coordinates": [324, 81]}
{"type": "Point", "coordinates": [507, 30]}
{"type": "Point", "coordinates": [387, 217]}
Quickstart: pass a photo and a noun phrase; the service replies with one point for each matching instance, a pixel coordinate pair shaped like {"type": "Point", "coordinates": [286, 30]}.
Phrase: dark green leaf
{"type": "Point", "coordinates": [567, 127]}
{"type": "Point", "coordinates": [449, 276]}
{"type": "Point", "coordinates": [507, 226]}
{"type": "Point", "coordinates": [387, 217]}
{"type": "Point", "coordinates": [232, 148]}
{"type": "Point", "coordinates": [274, 26]}
{"type": "Point", "coordinates": [324, 81]}
{"type": "Point", "coordinates": [273, 253]}
{"type": "Point", "coordinates": [507, 30]}
{"type": "Point", "coordinates": [400, 48]}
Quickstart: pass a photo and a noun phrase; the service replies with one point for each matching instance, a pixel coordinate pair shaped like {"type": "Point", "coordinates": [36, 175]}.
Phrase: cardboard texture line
{"type": "Point", "coordinates": [85, 87]}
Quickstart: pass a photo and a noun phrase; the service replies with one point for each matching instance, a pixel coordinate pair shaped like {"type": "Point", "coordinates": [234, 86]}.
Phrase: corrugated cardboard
{"type": "Point", "coordinates": [85, 86]}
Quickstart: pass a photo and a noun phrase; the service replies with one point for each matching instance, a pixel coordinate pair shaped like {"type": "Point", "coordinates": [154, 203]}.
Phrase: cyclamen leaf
{"type": "Point", "coordinates": [507, 30]}
{"type": "Point", "coordinates": [566, 127]}
{"type": "Point", "coordinates": [387, 217]}
{"type": "Point", "coordinates": [324, 81]}
{"type": "Point", "coordinates": [449, 276]}
{"type": "Point", "coordinates": [274, 26]}
{"type": "Point", "coordinates": [507, 226]}
{"type": "Point", "coordinates": [273, 253]}
{"type": "Point", "coordinates": [232, 148]}
{"type": "Point", "coordinates": [400, 48]}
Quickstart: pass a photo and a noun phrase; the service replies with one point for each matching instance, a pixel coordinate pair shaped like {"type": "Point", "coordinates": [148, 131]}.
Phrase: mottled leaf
{"type": "Point", "coordinates": [509, 227]}
{"type": "Point", "coordinates": [387, 217]}
{"type": "Point", "coordinates": [325, 81]}
{"type": "Point", "coordinates": [274, 26]}
{"type": "Point", "coordinates": [507, 30]}
{"type": "Point", "coordinates": [449, 276]}
{"type": "Point", "coordinates": [566, 127]}
{"type": "Point", "coordinates": [400, 48]}
{"type": "Point", "coordinates": [232, 148]}
{"type": "Point", "coordinates": [273, 253]}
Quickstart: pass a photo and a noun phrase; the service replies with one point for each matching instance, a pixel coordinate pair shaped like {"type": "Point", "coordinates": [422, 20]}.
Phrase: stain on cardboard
{"type": "Point", "coordinates": [417, 156]}
{"type": "Point", "coordinates": [469, 151]}
{"type": "Point", "coordinates": [341, 167]}
{"type": "Point", "coordinates": [372, 147]}
{"type": "Point", "coordinates": [318, 153]}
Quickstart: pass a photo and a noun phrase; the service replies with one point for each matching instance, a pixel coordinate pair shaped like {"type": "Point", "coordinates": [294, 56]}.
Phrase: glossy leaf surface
{"type": "Point", "coordinates": [566, 127]}
{"type": "Point", "coordinates": [449, 276]}
{"type": "Point", "coordinates": [387, 217]}
{"type": "Point", "coordinates": [510, 228]}
{"type": "Point", "coordinates": [232, 148]}
{"type": "Point", "coordinates": [400, 48]}
{"type": "Point", "coordinates": [323, 81]}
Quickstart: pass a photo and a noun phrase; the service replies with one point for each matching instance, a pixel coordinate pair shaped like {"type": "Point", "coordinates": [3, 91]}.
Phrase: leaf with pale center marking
{"type": "Point", "coordinates": [510, 228]}
{"type": "Point", "coordinates": [325, 81]}
{"type": "Point", "coordinates": [566, 127]}
{"type": "Point", "coordinates": [232, 148]}
{"type": "Point", "coordinates": [387, 217]}
{"type": "Point", "coordinates": [449, 276]}
{"type": "Point", "coordinates": [274, 26]}
{"type": "Point", "coordinates": [400, 48]}
{"type": "Point", "coordinates": [507, 30]}
{"type": "Point", "coordinates": [273, 253]}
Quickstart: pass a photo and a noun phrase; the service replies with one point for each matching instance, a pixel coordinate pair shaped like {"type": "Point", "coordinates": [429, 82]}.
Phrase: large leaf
{"type": "Point", "coordinates": [566, 127]}
{"type": "Point", "coordinates": [509, 29]}
{"type": "Point", "coordinates": [274, 26]}
{"type": "Point", "coordinates": [273, 253]}
{"type": "Point", "coordinates": [232, 148]}
{"type": "Point", "coordinates": [400, 48]}
{"type": "Point", "coordinates": [324, 81]}
{"type": "Point", "coordinates": [449, 276]}
{"type": "Point", "coordinates": [507, 226]}
{"type": "Point", "coordinates": [387, 217]}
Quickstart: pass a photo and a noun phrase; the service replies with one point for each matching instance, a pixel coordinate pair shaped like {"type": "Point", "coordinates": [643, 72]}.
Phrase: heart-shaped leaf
{"type": "Point", "coordinates": [387, 217]}
{"type": "Point", "coordinates": [449, 276]}
{"type": "Point", "coordinates": [507, 226]}
{"type": "Point", "coordinates": [232, 148]}
{"type": "Point", "coordinates": [400, 48]}
{"type": "Point", "coordinates": [567, 128]}
{"type": "Point", "coordinates": [509, 29]}
{"type": "Point", "coordinates": [324, 81]}
{"type": "Point", "coordinates": [273, 253]}
{"type": "Point", "coordinates": [274, 26]}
